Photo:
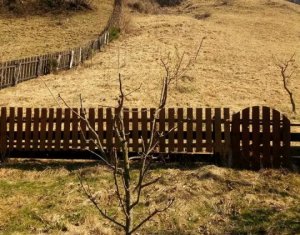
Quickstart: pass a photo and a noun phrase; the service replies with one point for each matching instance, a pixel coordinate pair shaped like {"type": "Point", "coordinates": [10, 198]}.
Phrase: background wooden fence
{"type": "Point", "coordinates": [16, 71]}
{"type": "Point", "coordinates": [258, 135]}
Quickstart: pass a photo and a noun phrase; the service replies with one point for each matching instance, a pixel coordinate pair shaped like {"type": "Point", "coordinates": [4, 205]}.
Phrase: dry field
{"type": "Point", "coordinates": [33, 34]}
{"type": "Point", "coordinates": [236, 67]}
{"type": "Point", "coordinates": [45, 198]}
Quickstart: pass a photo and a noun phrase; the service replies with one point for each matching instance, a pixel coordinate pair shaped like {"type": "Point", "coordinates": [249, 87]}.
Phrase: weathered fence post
{"type": "Point", "coordinates": [58, 62]}
{"type": "Point", "coordinates": [72, 59]}
{"type": "Point", "coordinates": [17, 73]}
{"type": "Point", "coordinates": [39, 66]}
{"type": "Point", "coordinates": [80, 55]}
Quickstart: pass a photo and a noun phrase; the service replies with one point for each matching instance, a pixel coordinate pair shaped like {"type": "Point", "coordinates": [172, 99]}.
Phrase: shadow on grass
{"type": "Point", "coordinates": [71, 165]}
{"type": "Point", "coordinates": [266, 221]}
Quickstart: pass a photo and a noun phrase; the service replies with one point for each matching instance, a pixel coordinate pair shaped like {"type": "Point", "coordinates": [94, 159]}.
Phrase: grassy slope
{"type": "Point", "coordinates": [41, 197]}
{"type": "Point", "coordinates": [31, 35]}
{"type": "Point", "coordinates": [236, 67]}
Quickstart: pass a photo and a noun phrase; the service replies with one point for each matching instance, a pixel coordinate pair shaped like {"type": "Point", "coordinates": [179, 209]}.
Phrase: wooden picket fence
{"type": "Point", "coordinates": [260, 137]}
{"type": "Point", "coordinates": [16, 71]}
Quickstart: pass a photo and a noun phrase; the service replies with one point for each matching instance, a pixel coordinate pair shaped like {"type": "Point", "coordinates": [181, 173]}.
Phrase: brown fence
{"type": "Point", "coordinates": [246, 140]}
{"type": "Point", "coordinates": [16, 71]}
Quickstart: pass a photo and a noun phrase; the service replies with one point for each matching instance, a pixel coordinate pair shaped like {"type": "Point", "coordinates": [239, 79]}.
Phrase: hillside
{"type": "Point", "coordinates": [36, 33]}
{"type": "Point", "coordinates": [236, 67]}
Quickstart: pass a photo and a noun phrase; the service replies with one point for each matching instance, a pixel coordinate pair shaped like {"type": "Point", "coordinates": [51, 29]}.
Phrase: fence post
{"type": "Point", "coordinates": [16, 73]}
{"type": "Point", "coordinates": [72, 59]}
{"type": "Point", "coordinates": [58, 62]}
{"type": "Point", "coordinates": [80, 55]}
{"type": "Point", "coordinates": [39, 66]}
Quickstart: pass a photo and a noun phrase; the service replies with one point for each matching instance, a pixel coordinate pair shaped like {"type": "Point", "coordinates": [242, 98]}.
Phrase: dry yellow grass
{"type": "Point", "coordinates": [236, 67]}
{"type": "Point", "coordinates": [32, 35]}
{"type": "Point", "coordinates": [44, 197]}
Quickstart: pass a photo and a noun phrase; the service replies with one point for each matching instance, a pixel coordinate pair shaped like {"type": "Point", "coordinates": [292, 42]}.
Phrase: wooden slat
{"type": "Point", "coordinates": [58, 129]}
{"type": "Point", "coordinates": [11, 128]}
{"type": "Point", "coordinates": [100, 125]}
{"type": "Point", "coordinates": [266, 138]}
{"type": "Point", "coordinates": [28, 129]}
{"type": "Point", "coordinates": [180, 129]}
{"type": "Point", "coordinates": [152, 118]}
{"type": "Point", "coordinates": [144, 116]}
{"type": "Point", "coordinates": [171, 129]}
{"type": "Point", "coordinates": [286, 141]}
{"type": "Point", "coordinates": [246, 162]}
{"type": "Point", "coordinates": [3, 140]}
{"type": "Point", "coordinates": [83, 131]}
{"type": "Point", "coordinates": [199, 137]}
{"type": "Point", "coordinates": [43, 132]}
{"type": "Point", "coordinates": [36, 116]}
{"type": "Point", "coordinates": [227, 139]}
{"type": "Point", "coordinates": [256, 150]}
{"type": "Point", "coordinates": [135, 130]}
{"type": "Point", "coordinates": [67, 129]}
{"type": "Point", "coordinates": [162, 128]}
{"type": "Point", "coordinates": [91, 136]}
{"type": "Point", "coordinates": [235, 140]}
{"type": "Point", "coordinates": [189, 143]}
{"type": "Point", "coordinates": [208, 130]}
{"type": "Point", "coordinates": [75, 129]}
{"type": "Point", "coordinates": [217, 131]}
{"type": "Point", "coordinates": [276, 148]}
{"type": "Point", "coordinates": [19, 128]}
{"type": "Point", "coordinates": [109, 130]}
{"type": "Point", "coordinates": [126, 123]}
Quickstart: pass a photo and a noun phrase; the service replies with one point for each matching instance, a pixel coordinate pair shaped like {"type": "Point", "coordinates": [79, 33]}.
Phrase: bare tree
{"type": "Point", "coordinates": [127, 191]}
{"type": "Point", "coordinates": [284, 67]}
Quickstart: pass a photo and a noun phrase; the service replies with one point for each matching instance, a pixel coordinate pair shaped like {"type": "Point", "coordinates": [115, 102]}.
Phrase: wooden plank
{"type": "Point", "coordinates": [189, 141]}
{"type": "Point", "coordinates": [100, 125]}
{"type": "Point", "coordinates": [19, 128]}
{"type": "Point", "coordinates": [217, 131]}
{"type": "Point", "coordinates": [152, 119]}
{"type": "Point", "coordinates": [91, 136]}
{"type": "Point", "coordinates": [74, 132]}
{"type": "Point", "coordinates": [126, 123]}
{"type": "Point", "coordinates": [199, 137]}
{"type": "Point", "coordinates": [171, 129]}
{"type": "Point", "coordinates": [276, 148]}
{"type": "Point", "coordinates": [3, 138]}
{"type": "Point", "coordinates": [83, 131]}
{"type": "Point", "coordinates": [58, 122]}
{"type": "Point", "coordinates": [235, 140]}
{"type": "Point", "coordinates": [180, 129]}
{"type": "Point", "coordinates": [67, 129]}
{"type": "Point", "coordinates": [286, 141]}
{"type": "Point", "coordinates": [109, 130]}
{"type": "Point", "coordinates": [43, 132]}
{"type": "Point", "coordinates": [256, 141]}
{"type": "Point", "coordinates": [144, 116]}
{"type": "Point", "coordinates": [208, 130]}
{"type": "Point", "coordinates": [266, 138]}
{"type": "Point", "coordinates": [162, 129]}
{"type": "Point", "coordinates": [36, 116]}
{"type": "Point", "coordinates": [28, 129]}
{"type": "Point", "coordinates": [135, 130]}
{"type": "Point", "coordinates": [247, 162]}
{"type": "Point", "coordinates": [227, 139]}
{"type": "Point", "coordinates": [11, 128]}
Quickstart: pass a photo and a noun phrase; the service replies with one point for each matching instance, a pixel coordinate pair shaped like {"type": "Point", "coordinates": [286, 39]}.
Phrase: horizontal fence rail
{"type": "Point", "coordinates": [16, 71]}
